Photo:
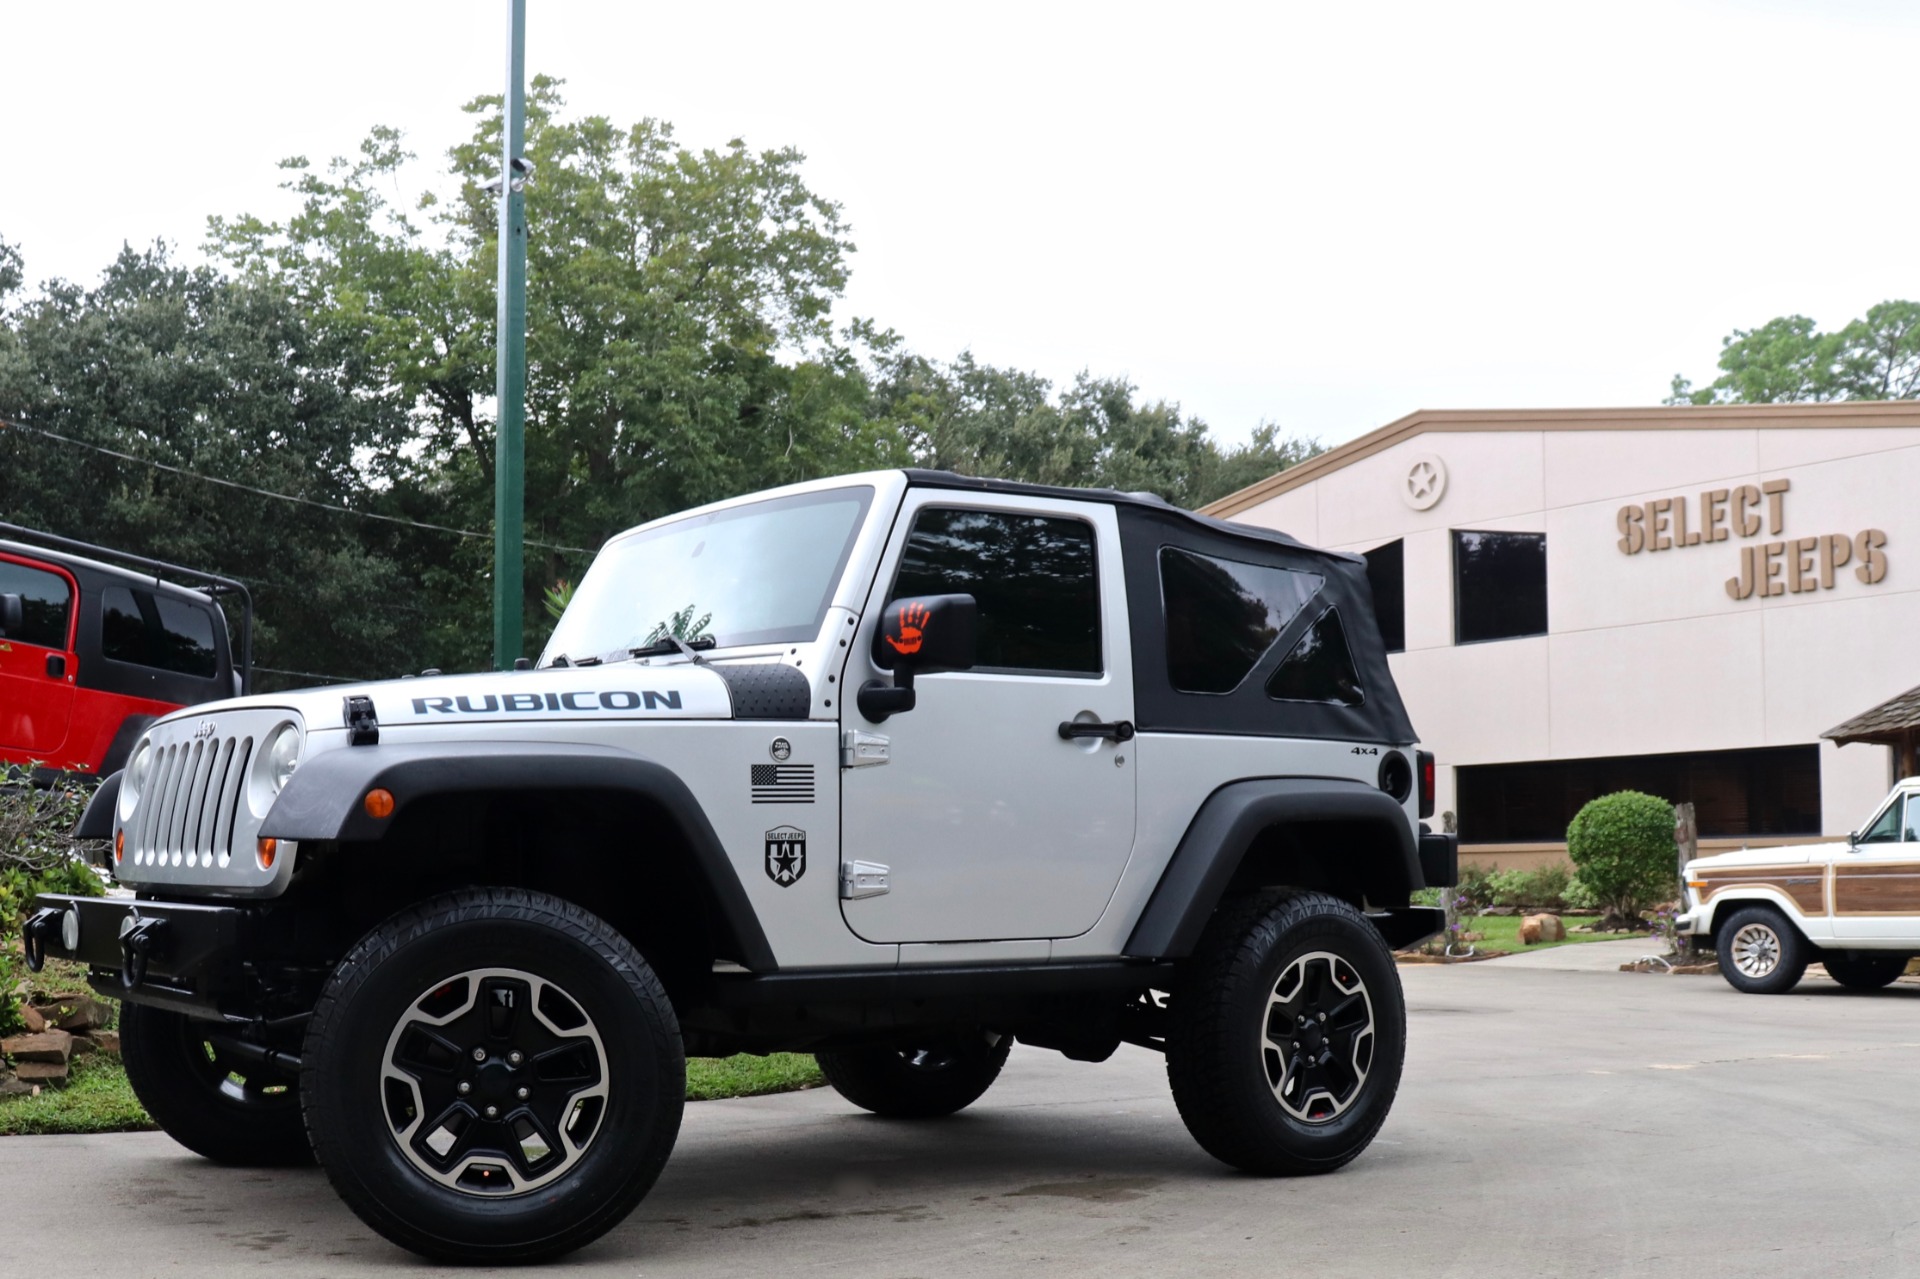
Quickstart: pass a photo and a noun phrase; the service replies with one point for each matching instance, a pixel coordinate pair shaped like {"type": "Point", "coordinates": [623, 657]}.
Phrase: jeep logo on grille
{"type": "Point", "coordinates": [205, 729]}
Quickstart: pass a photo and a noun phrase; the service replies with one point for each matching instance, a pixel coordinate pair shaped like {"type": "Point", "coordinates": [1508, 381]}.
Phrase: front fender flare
{"type": "Point", "coordinates": [1225, 828]}
{"type": "Point", "coordinates": [324, 801]}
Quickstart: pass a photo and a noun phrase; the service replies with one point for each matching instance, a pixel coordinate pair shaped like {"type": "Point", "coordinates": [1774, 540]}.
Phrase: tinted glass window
{"type": "Point", "coordinates": [1031, 576]}
{"type": "Point", "coordinates": [1320, 667]}
{"type": "Point", "coordinates": [45, 601]}
{"type": "Point", "coordinates": [156, 631]}
{"type": "Point", "coordinates": [1386, 573]}
{"type": "Point", "coordinates": [1769, 790]}
{"type": "Point", "coordinates": [1223, 616]}
{"type": "Point", "coordinates": [1499, 585]}
{"type": "Point", "coordinates": [1887, 829]}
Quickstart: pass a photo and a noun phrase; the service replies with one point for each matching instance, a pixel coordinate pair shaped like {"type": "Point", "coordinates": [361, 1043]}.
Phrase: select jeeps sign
{"type": "Point", "coordinates": [1766, 568]}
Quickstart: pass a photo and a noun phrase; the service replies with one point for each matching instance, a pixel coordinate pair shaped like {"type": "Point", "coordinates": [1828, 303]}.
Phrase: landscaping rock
{"type": "Point", "coordinates": [11, 1087]}
{"type": "Point", "coordinates": [108, 1040]}
{"type": "Point", "coordinates": [42, 1072]}
{"type": "Point", "coordinates": [48, 1046]}
{"type": "Point", "coordinates": [1535, 929]}
{"type": "Point", "coordinates": [75, 1012]}
{"type": "Point", "coordinates": [32, 1017]}
{"type": "Point", "coordinates": [85, 1044]}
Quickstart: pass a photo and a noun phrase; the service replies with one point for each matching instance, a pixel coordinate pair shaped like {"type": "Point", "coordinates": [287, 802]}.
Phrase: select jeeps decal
{"type": "Point", "coordinates": [786, 855]}
{"type": "Point", "coordinates": [488, 704]}
{"type": "Point", "coordinates": [782, 783]}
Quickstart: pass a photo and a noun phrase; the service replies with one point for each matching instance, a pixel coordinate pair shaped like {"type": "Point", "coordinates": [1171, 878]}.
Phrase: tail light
{"type": "Point", "coordinates": [1425, 760]}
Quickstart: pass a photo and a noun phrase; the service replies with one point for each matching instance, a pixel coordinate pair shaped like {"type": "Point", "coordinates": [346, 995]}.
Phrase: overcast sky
{"type": "Point", "coordinates": [1324, 215]}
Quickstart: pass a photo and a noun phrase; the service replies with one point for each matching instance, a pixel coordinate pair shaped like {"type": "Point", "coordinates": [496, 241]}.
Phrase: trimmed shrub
{"type": "Point", "coordinates": [1623, 846]}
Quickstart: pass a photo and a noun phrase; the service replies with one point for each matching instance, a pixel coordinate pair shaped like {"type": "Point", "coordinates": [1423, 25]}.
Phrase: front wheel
{"type": "Point", "coordinates": [1760, 952]}
{"type": "Point", "coordinates": [493, 1076]}
{"type": "Point", "coordinates": [1288, 1034]}
{"type": "Point", "coordinates": [1862, 969]}
{"type": "Point", "coordinates": [922, 1082]}
{"type": "Point", "coordinates": [208, 1097]}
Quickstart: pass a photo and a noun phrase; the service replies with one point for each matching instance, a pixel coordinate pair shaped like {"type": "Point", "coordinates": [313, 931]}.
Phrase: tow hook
{"type": "Point", "coordinates": [139, 939]}
{"type": "Point", "coordinates": [44, 924]}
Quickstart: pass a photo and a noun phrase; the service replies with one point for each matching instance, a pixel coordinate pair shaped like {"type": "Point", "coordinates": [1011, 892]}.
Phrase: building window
{"type": "Point", "coordinates": [1223, 616]}
{"type": "Point", "coordinates": [1320, 667]}
{"type": "Point", "coordinates": [1499, 585]}
{"type": "Point", "coordinates": [1032, 580]}
{"type": "Point", "coordinates": [1770, 790]}
{"type": "Point", "coordinates": [1386, 573]}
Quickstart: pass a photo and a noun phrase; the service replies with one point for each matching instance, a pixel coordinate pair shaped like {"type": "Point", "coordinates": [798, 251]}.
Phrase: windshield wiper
{"type": "Point", "coordinates": [674, 644]}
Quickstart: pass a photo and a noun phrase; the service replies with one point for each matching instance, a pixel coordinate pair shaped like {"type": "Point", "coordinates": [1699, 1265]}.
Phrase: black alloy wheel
{"type": "Point", "coordinates": [230, 1108]}
{"type": "Point", "coordinates": [1288, 1034]}
{"type": "Point", "coordinates": [493, 1076]}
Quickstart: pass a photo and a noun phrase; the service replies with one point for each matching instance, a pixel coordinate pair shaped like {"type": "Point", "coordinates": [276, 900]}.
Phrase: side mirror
{"type": "Point", "coordinates": [13, 615]}
{"type": "Point", "coordinates": [918, 636]}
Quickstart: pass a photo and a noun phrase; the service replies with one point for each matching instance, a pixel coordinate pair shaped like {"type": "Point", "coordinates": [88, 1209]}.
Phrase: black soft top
{"type": "Point", "coordinates": [1151, 501]}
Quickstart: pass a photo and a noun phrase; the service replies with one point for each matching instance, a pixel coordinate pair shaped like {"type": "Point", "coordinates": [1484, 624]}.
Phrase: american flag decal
{"type": "Point", "coordinates": [783, 783]}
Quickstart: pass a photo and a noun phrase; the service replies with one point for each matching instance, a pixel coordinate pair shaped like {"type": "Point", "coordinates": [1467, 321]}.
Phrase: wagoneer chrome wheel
{"type": "Point", "coordinates": [494, 1082]}
{"type": "Point", "coordinates": [1756, 950]}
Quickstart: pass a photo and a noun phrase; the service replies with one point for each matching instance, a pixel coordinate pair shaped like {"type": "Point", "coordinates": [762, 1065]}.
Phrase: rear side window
{"type": "Point", "coordinates": [1032, 578]}
{"type": "Point", "coordinates": [158, 632]}
{"type": "Point", "coordinates": [1320, 667]}
{"type": "Point", "coordinates": [1223, 615]}
{"type": "Point", "coordinates": [46, 602]}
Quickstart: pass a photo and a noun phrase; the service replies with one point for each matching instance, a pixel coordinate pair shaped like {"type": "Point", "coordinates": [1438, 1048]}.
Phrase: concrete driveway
{"type": "Point", "coordinates": [1550, 1123]}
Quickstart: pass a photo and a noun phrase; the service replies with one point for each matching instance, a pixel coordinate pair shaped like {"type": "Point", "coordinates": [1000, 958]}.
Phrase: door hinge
{"type": "Point", "coordinates": [863, 879]}
{"type": "Point", "coordinates": [864, 750]}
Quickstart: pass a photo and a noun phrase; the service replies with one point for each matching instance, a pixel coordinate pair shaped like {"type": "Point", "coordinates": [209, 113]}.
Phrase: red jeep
{"type": "Point", "coordinates": [91, 654]}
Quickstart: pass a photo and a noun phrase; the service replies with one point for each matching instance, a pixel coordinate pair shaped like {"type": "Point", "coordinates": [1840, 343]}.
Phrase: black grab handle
{"type": "Point", "coordinates": [1118, 731]}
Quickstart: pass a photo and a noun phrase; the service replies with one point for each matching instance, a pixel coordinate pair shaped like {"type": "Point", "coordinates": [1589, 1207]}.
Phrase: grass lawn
{"type": "Point", "coordinates": [97, 1098]}
{"type": "Point", "coordinates": [1502, 932]}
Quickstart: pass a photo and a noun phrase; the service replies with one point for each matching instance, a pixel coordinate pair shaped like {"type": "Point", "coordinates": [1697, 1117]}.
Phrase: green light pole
{"type": "Point", "coordinates": [510, 386]}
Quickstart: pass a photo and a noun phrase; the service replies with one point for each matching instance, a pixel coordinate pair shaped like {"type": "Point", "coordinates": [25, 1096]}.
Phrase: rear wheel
{"type": "Point", "coordinates": [205, 1095]}
{"type": "Point", "coordinates": [922, 1082]}
{"type": "Point", "coordinates": [493, 1076]}
{"type": "Point", "coordinates": [1760, 952]}
{"type": "Point", "coordinates": [1863, 969]}
{"type": "Point", "coordinates": [1288, 1034]}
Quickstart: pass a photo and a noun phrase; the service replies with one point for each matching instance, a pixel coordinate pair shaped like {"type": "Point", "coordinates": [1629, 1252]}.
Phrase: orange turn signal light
{"type": "Point", "coordinates": [379, 803]}
{"type": "Point", "coordinates": [268, 849]}
{"type": "Point", "coordinates": [119, 846]}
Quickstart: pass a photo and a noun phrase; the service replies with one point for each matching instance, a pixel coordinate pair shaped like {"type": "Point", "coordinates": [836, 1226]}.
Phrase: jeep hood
{"type": "Point", "coordinates": [1788, 855]}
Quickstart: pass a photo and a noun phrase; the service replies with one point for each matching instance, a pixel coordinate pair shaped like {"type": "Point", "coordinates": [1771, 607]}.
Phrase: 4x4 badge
{"type": "Point", "coordinates": [786, 855]}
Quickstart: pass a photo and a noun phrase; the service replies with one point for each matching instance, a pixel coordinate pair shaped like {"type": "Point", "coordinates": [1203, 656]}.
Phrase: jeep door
{"type": "Point", "coordinates": [1876, 883]}
{"type": "Point", "coordinates": [992, 826]}
{"type": "Point", "coordinates": [37, 663]}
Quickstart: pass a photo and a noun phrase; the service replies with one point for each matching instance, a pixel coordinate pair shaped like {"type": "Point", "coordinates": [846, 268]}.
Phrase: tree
{"type": "Point", "coordinates": [1787, 360]}
{"type": "Point", "coordinates": [1623, 846]}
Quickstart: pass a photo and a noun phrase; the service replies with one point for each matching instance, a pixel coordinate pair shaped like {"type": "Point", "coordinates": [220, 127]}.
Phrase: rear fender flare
{"type": "Point", "coordinates": [1225, 828]}
{"type": "Point", "coordinates": [324, 800]}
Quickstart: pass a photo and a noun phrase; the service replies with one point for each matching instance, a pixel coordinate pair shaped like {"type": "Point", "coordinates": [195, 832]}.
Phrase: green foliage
{"type": "Point", "coordinates": [1543, 888]}
{"type": "Point", "coordinates": [1578, 896]}
{"type": "Point", "coordinates": [38, 854]}
{"type": "Point", "coordinates": [97, 1098]}
{"type": "Point", "coordinates": [556, 598]}
{"type": "Point", "coordinates": [747, 1075]}
{"type": "Point", "coordinates": [1476, 885]}
{"type": "Point", "coordinates": [1787, 359]}
{"type": "Point", "coordinates": [1623, 845]}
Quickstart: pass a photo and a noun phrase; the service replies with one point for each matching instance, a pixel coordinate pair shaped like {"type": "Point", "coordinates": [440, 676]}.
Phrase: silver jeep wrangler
{"type": "Point", "coordinates": [894, 768]}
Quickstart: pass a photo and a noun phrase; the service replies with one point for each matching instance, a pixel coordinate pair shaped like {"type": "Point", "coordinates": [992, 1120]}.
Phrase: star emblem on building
{"type": "Point", "coordinates": [1421, 479]}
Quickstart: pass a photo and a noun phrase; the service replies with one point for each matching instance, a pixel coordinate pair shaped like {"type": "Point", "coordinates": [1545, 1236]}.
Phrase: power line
{"type": "Point", "coordinates": [283, 497]}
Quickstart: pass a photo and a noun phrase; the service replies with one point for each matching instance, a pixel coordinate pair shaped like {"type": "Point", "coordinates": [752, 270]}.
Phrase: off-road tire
{"type": "Point", "coordinates": [231, 1111]}
{"type": "Point", "coordinates": [1863, 969]}
{"type": "Point", "coordinates": [449, 949]}
{"type": "Point", "coordinates": [917, 1083]}
{"type": "Point", "coordinates": [1760, 952]}
{"type": "Point", "coordinates": [1220, 1042]}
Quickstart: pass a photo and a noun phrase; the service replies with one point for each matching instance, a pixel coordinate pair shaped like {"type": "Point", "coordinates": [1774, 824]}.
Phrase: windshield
{"type": "Point", "coordinates": [762, 573]}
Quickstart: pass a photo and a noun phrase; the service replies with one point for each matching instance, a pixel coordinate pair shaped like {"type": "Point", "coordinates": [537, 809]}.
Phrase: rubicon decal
{"type": "Point", "coordinates": [492, 704]}
{"type": "Point", "coordinates": [786, 855]}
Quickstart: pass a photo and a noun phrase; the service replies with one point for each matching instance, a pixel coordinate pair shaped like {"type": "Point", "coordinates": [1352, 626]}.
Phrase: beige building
{"type": "Point", "coordinates": [1676, 600]}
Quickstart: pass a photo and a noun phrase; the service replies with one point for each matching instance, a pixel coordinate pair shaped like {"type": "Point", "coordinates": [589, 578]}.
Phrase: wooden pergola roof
{"type": "Point", "coordinates": [1895, 723]}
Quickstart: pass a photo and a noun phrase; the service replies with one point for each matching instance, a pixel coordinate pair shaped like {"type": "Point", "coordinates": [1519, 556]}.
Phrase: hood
{"type": "Point", "coordinates": [1786, 855]}
{"type": "Point", "coordinates": [622, 691]}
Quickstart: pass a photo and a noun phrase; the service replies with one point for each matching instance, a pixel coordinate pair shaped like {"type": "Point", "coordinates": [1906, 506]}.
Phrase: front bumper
{"type": "Point", "coordinates": [1696, 922]}
{"type": "Point", "coordinates": [179, 955]}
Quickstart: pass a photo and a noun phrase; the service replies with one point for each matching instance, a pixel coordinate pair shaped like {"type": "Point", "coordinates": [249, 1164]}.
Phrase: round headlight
{"type": "Point", "coordinates": [283, 756]}
{"type": "Point", "coordinates": [136, 778]}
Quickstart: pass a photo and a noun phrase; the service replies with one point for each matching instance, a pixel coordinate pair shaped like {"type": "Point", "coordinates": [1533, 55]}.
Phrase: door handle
{"type": "Point", "coordinates": [1121, 730]}
{"type": "Point", "coordinates": [56, 666]}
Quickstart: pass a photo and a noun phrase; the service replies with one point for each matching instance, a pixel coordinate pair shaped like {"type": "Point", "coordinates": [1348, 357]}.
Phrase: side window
{"type": "Point", "coordinates": [1913, 823]}
{"type": "Point", "coordinates": [1222, 616]}
{"type": "Point", "coordinates": [1886, 828]}
{"type": "Point", "coordinates": [1032, 577]}
{"type": "Point", "coordinates": [45, 600]}
{"type": "Point", "coordinates": [1320, 667]}
{"type": "Point", "coordinates": [158, 632]}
